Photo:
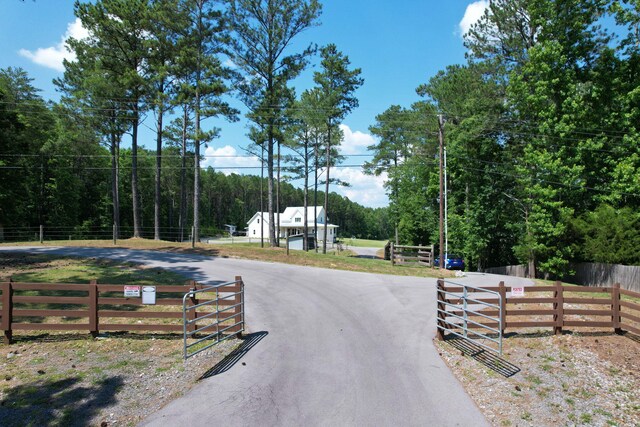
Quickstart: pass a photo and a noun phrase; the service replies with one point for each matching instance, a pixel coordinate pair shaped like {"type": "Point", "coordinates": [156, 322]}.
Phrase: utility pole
{"type": "Point", "coordinates": [441, 158]}
{"type": "Point", "coordinates": [446, 212]}
{"type": "Point", "coordinates": [261, 197]}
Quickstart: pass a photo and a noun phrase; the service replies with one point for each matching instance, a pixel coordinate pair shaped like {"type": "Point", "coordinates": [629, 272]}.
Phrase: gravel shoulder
{"type": "Point", "coordinates": [589, 378]}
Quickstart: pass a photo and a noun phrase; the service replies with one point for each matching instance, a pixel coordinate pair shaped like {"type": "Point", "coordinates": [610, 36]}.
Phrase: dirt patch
{"type": "Point", "coordinates": [589, 378]}
{"type": "Point", "coordinates": [118, 379]}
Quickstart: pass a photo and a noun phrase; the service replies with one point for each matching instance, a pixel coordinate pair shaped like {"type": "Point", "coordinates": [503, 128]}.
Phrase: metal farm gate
{"type": "Point", "coordinates": [458, 304]}
{"type": "Point", "coordinates": [212, 314]}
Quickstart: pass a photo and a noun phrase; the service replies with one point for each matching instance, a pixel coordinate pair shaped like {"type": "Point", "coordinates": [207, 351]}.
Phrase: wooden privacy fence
{"type": "Point", "coordinates": [98, 308]}
{"type": "Point", "coordinates": [585, 273]}
{"type": "Point", "coordinates": [420, 255]}
{"type": "Point", "coordinates": [557, 307]}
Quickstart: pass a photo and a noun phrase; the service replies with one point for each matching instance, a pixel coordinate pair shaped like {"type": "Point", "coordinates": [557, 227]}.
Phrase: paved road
{"type": "Point", "coordinates": [365, 252]}
{"type": "Point", "coordinates": [341, 348]}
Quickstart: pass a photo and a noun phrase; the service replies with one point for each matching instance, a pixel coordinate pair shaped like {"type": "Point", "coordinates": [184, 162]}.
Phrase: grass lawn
{"type": "Point", "coordinates": [40, 268]}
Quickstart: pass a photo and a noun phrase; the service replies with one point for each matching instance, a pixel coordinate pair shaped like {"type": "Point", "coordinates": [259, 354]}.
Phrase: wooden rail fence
{"type": "Point", "coordinates": [421, 255]}
{"type": "Point", "coordinates": [97, 307]}
{"type": "Point", "coordinates": [560, 306]}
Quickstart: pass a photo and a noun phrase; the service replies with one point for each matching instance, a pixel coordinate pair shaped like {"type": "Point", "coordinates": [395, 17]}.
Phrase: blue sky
{"type": "Point", "coordinates": [397, 44]}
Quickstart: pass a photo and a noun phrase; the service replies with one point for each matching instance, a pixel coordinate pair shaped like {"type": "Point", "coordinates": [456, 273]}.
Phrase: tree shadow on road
{"type": "Point", "coordinates": [248, 342]}
{"type": "Point", "coordinates": [62, 402]}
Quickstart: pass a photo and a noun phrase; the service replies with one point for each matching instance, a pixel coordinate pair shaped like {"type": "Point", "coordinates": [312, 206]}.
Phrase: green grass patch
{"type": "Point", "coordinates": [54, 269]}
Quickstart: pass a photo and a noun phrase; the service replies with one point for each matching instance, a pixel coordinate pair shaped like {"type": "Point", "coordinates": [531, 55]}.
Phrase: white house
{"type": "Point", "coordinates": [291, 223]}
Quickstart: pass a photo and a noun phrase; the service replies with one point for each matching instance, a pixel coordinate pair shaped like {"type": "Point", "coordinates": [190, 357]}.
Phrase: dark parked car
{"type": "Point", "coordinates": [452, 262]}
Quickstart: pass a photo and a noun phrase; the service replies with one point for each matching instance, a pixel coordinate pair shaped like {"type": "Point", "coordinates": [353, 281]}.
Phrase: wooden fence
{"type": "Point", "coordinates": [97, 307]}
{"type": "Point", "coordinates": [557, 307]}
{"type": "Point", "coordinates": [420, 255]}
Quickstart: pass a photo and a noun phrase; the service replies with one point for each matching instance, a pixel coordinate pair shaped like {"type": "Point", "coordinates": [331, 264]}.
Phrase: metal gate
{"type": "Point", "coordinates": [212, 314]}
{"type": "Point", "coordinates": [457, 308]}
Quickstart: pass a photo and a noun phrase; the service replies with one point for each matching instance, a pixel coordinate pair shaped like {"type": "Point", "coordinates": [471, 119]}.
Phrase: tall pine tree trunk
{"type": "Point", "coordinates": [278, 198]}
{"type": "Point", "coordinates": [115, 181]}
{"type": "Point", "coordinates": [270, 140]}
{"type": "Point", "coordinates": [196, 173]}
{"type": "Point", "coordinates": [135, 194]}
{"type": "Point", "coordinates": [262, 197]}
{"type": "Point", "coordinates": [326, 191]}
{"type": "Point", "coordinates": [183, 175]}
{"type": "Point", "coordinates": [156, 208]}
{"type": "Point", "coordinates": [305, 229]}
{"type": "Point", "coordinates": [272, 223]}
{"type": "Point", "coordinates": [315, 195]}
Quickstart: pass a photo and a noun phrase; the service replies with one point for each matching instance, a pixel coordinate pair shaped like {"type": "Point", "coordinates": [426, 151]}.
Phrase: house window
{"type": "Point", "coordinates": [254, 232]}
{"type": "Point", "coordinates": [298, 219]}
{"type": "Point", "coordinates": [258, 220]}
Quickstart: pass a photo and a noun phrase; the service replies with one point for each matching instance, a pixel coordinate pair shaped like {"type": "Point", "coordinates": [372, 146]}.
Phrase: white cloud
{"type": "Point", "coordinates": [229, 63]}
{"type": "Point", "coordinates": [367, 190]}
{"type": "Point", "coordinates": [472, 14]}
{"type": "Point", "coordinates": [227, 160]}
{"type": "Point", "coordinates": [355, 142]}
{"type": "Point", "coordinates": [53, 56]}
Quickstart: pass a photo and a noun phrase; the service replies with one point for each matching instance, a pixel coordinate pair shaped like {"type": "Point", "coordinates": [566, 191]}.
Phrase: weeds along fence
{"type": "Point", "coordinates": [99, 308]}
{"type": "Point", "coordinates": [556, 307]}
{"type": "Point", "coordinates": [408, 255]}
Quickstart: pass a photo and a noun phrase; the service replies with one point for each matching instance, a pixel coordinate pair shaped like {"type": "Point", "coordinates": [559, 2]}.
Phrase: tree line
{"type": "Point", "coordinates": [180, 62]}
{"type": "Point", "coordinates": [55, 172]}
{"type": "Point", "coordinates": [542, 140]}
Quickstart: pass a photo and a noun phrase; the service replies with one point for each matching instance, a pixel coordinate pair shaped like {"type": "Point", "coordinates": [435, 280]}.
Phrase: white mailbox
{"type": "Point", "coordinates": [148, 294]}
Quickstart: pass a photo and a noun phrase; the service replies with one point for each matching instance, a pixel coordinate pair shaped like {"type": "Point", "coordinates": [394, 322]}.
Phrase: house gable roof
{"type": "Point", "coordinates": [287, 218]}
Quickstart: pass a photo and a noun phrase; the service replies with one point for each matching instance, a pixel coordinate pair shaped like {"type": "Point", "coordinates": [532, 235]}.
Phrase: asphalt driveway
{"type": "Point", "coordinates": [338, 348]}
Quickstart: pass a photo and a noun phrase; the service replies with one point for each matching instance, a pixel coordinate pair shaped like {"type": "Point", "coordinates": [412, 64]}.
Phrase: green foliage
{"type": "Point", "coordinates": [541, 129]}
{"type": "Point", "coordinates": [610, 235]}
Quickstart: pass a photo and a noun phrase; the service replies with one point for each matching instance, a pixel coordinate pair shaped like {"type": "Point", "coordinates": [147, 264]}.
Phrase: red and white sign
{"type": "Point", "coordinates": [131, 291]}
{"type": "Point", "coordinates": [517, 291]}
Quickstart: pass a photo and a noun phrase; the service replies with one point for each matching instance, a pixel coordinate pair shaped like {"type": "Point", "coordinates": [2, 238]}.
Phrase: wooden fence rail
{"type": "Point", "coordinates": [560, 306]}
{"type": "Point", "coordinates": [97, 307]}
{"type": "Point", "coordinates": [421, 255]}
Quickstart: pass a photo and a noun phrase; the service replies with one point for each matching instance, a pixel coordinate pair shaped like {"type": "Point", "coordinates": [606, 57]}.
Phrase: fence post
{"type": "Point", "coordinates": [7, 310]}
{"type": "Point", "coordinates": [615, 308]}
{"type": "Point", "coordinates": [441, 308]}
{"type": "Point", "coordinates": [431, 256]}
{"type": "Point", "coordinates": [239, 299]}
{"type": "Point", "coordinates": [558, 307]}
{"type": "Point", "coordinates": [392, 255]}
{"type": "Point", "coordinates": [93, 308]}
{"type": "Point", "coordinates": [41, 233]}
{"type": "Point", "coordinates": [191, 313]}
{"type": "Point", "coordinates": [503, 306]}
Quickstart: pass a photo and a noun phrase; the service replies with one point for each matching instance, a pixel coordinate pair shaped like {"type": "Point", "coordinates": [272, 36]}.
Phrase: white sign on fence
{"type": "Point", "coordinates": [149, 295]}
{"type": "Point", "coordinates": [517, 291]}
{"type": "Point", "coordinates": [131, 291]}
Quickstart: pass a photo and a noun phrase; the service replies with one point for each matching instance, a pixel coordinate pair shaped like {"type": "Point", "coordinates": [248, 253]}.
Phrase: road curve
{"type": "Point", "coordinates": [341, 348]}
